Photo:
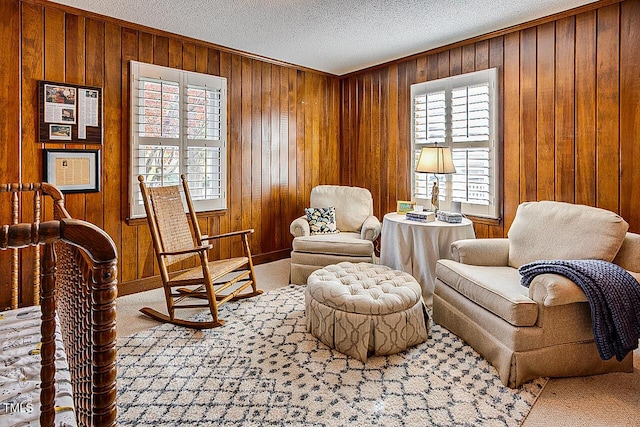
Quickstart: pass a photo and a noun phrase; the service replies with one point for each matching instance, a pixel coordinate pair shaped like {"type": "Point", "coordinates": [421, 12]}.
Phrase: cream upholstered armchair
{"type": "Point", "coordinates": [356, 230]}
{"type": "Point", "coordinates": [546, 329]}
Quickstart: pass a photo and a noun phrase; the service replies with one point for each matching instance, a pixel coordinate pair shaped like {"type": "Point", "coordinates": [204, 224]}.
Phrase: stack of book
{"type": "Point", "coordinates": [453, 217]}
{"type": "Point", "coordinates": [421, 216]}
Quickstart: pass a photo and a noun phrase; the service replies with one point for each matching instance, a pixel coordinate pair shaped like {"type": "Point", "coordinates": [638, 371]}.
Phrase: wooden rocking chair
{"type": "Point", "coordinates": [173, 242]}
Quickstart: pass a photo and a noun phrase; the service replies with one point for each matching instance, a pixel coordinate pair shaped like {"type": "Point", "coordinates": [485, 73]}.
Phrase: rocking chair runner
{"type": "Point", "coordinates": [174, 242]}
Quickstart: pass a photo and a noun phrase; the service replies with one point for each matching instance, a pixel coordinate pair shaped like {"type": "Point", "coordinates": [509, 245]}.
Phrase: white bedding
{"type": "Point", "coordinates": [20, 371]}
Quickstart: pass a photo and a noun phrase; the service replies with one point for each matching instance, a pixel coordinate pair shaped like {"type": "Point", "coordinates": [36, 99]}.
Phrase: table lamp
{"type": "Point", "coordinates": [435, 160]}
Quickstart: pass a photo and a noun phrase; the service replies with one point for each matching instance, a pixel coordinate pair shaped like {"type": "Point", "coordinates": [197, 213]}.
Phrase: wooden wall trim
{"type": "Point", "coordinates": [491, 35]}
{"type": "Point", "coordinates": [487, 36]}
{"type": "Point", "coordinates": [151, 30]}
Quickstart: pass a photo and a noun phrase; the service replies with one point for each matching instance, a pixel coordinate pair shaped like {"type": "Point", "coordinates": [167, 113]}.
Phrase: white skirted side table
{"type": "Point", "coordinates": [365, 309]}
{"type": "Point", "coordinates": [415, 247]}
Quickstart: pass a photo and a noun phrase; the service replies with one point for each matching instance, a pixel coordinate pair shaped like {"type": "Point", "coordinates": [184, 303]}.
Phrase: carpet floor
{"type": "Point", "coordinates": [263, 369]}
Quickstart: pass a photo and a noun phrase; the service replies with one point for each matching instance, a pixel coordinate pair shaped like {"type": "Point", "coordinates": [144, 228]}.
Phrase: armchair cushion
{"type": "Point", "coordinates": [322, 220]}
{"type": "Point", "coordinates": [333, 244]}
{"type": "Point", "coordinates": [353, 204]}
{"type": "Point", "coordinates": [556, 230]}
{"type": "Point", "coordinates": [497, 289]}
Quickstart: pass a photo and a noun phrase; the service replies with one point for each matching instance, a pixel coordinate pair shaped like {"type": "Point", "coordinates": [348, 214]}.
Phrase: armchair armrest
{"type": "Point", "coordinates": [187, 251]}
{"type": "Point", "coordinates": [554, 289]}
{"type": "Point", "coordinates": [230, 234]}
{"type": "Point", "coordinates": [370, 228]}
{"type": "Point", "coordinates": [300, 227]}
{"type": "Point", "coordinates": [489, 252]}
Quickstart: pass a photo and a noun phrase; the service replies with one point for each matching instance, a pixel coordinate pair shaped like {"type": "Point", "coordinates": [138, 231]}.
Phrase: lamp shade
{"type": "Point", "coordinates": [435, 160]}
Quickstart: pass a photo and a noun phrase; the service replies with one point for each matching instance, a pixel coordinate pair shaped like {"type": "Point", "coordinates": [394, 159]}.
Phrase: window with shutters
{"type": "Point", "coordinates": [178, 125]}
{"type": "Point", "coordinates": [459, 112]}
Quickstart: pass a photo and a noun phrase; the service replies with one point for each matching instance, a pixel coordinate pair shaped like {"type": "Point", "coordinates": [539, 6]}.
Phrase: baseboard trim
{"type": "Point", "coordinates": [154, 282]}
{"type": "Point", "coordinates": [271, 256]}
{"type": "Point", "coordinates": [139, 285]}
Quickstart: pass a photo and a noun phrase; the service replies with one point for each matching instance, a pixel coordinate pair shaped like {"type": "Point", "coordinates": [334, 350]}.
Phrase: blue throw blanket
{"type": "Point", "coordinates": [614, 297]}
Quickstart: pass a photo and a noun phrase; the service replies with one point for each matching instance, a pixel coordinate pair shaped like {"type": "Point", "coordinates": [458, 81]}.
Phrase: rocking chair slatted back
{"type": "Point", "coordinates": [173, 226]}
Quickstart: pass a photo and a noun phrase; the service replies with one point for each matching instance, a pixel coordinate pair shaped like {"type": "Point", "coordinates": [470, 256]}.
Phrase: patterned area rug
{"type": "Point", "coordinates": [263, 369]}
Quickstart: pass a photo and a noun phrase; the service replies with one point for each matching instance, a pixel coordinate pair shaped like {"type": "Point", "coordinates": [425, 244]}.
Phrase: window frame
{"type": "Point", "coordinates": [447, 84]}
{"type": "Point", "coordinates": [184, 79]}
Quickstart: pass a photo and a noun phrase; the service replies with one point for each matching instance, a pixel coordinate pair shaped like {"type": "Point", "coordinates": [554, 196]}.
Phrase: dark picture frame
{"type": "Point", "coordinates": [72, 171]}
{"type": "Point", "coordinates": [76, 109]}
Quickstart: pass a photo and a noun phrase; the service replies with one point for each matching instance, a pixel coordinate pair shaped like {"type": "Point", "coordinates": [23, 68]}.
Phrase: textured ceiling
{"type": "Point", "coordinates": [335, 36]}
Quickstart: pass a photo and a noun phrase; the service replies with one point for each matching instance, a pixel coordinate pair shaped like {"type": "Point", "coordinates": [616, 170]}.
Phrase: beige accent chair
{"type": "Point", "coordinates": [543, 330]}
{"type": "Point", "coordinates": [358, 227]}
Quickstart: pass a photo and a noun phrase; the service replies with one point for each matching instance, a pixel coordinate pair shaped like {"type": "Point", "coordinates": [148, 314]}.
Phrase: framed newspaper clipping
{"type": "Point", "coordinates": [72, 171]}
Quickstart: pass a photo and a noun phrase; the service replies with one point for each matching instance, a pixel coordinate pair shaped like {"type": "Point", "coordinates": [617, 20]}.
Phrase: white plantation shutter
{"type": "Point", "coordinates": [206, 132]}
{"type": "Point", "coordinates": [159, 164]}
{"type": "Point", "coordinates": [436, 117]}
{"type": "Point", "coordinates": [470, 123]}
{"type": "Point", "coordinates": [178, 126]}
{"type": "Point", "coordinates": [470, 113]}
{"type": "Point", "coordinates": [204, 112]}
{"type": "Point", "coordinates": [472, 181]}
{"type": "Point", "coordinates": [429, 128]}
{"type": "Point", "coordinates": [204, 173]}
{"type": "Point", "coordinates": [420, 119]}
{"type": "Point", "coordinates": [156, 126]}
{"type": "Point", "coordinates": [158, 112]}
{"type": "Point", "coordinates": [459, 112]}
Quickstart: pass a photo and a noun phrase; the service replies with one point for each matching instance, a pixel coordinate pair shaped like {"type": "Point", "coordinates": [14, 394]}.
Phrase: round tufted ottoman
{"type": "Point", "coordinates": [362, 309]}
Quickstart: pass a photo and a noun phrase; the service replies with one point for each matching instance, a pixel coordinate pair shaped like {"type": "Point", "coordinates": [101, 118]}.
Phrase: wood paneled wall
{"type": "Point", "coordinates": [284, 125]}
{"type": "Point", "coordinates": [569, 120]}
{"type": "Point", "coordinates": [569, 114]}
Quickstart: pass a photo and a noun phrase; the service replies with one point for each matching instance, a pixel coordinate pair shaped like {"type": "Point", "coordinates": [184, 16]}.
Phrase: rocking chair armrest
{"type": "Point", "coordinates": [230, 234]}
{"type": "Point", "coordinates": [187, 251]}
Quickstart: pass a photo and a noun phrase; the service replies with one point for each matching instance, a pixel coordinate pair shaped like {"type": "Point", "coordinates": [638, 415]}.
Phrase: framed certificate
{"type": "Point", "coordinates": [72, 171]}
